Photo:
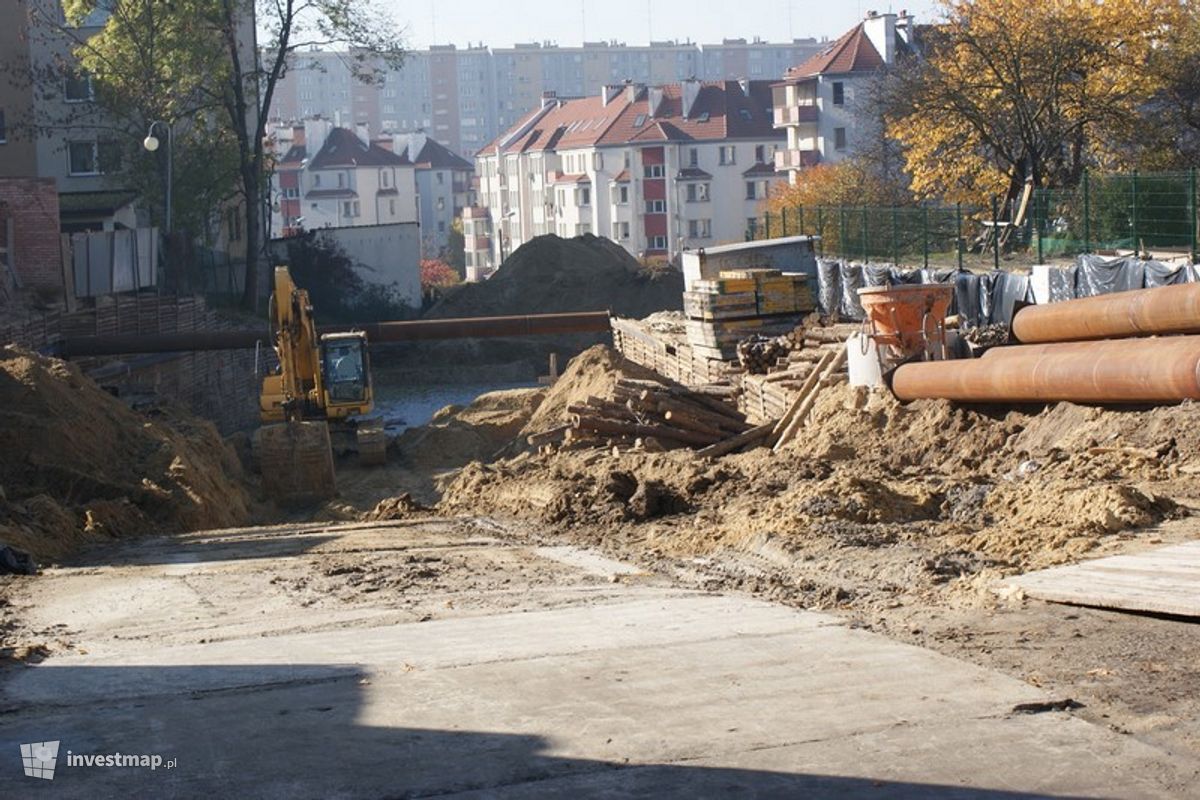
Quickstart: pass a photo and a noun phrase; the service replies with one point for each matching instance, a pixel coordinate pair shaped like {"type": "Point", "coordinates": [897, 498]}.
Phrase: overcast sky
{"type": "Point", "coordinates": [500, 23]}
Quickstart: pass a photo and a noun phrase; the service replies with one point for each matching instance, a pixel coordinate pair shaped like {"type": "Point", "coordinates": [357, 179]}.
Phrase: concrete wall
{"type": "Point", "coordinates": [390, 255]}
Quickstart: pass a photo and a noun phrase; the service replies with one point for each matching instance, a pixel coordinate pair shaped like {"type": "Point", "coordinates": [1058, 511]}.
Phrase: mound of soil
{"type": "Point", "coordinates": [550, 274]}
{"type": "Point", "coordinates": [79, 465]}
{"type": "Point", "coordinates": [458, 435]}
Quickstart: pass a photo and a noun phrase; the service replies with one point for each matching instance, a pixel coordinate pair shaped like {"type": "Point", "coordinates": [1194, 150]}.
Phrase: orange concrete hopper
{"type": "Point", "coordinates": [909, 319]}
{"type": "Point", "coordinates": [1116, 371]}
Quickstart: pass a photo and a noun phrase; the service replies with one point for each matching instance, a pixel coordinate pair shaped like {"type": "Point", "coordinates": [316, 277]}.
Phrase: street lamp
{"type": "Point", "coordinates": [151, 144]}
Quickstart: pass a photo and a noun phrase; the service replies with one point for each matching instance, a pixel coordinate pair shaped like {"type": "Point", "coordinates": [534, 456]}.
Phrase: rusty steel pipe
{"type": "Point", "coordinates": [1143, 312]}
{"type": "Point", "coordinates": [1107, 372]}
{"type": "Point", "coordinates": [377, 332]}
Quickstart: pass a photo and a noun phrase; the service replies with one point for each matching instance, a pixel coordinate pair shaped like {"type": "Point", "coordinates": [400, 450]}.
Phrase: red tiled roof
{"type": "Point", "coordinates": [851, 53]}
{"type": "Point", "coordinates": [562, 177]}
{"type": "Point", "coordinates": [722, 110]}
{"type": "Point", "coordinates": [343, 148]}
{"type": "Point", "coordinates": [693, 174]}
{"type": "Point", "coordinates": [622, 177]}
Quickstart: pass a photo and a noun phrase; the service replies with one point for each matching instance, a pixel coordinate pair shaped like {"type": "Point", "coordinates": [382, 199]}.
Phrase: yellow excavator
{"type": "Point", "coordinates": [317, 396]}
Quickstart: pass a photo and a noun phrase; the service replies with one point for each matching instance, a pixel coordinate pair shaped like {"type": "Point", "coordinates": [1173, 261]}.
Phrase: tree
{"type": "Point", "coordinates": [856, 181]}
{"type": "Point", "coordinates": [335, 283]}
{"type": "Point", "coordinates": [456, 245]}
{"type": "Point", "coordinates": [1008, 89]}
{"type": "Point", "coordinates": [218, 60]}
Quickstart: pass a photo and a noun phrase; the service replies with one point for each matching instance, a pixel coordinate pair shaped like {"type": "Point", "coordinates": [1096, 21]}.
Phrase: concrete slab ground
{"type": "Point", "coordinates": [507, 671]}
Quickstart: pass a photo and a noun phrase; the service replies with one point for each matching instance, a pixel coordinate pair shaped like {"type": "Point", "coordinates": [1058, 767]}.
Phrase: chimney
{"type": "Point", "coordinates": [690, 90]}
{"type": "Point", "coordinates": [298, 135]}
{"type": "Point", "coordinates": [744, 83]}
{"type": "Point", "coordinates": [316, 131]}
{"type": "Point", "coordinates": [655, 99]}
{"type": "Point", "coordinates": [633, 91]}
{"type": "Point", "coordinates": [383, 142]}
{"type": "Point", "coordinates": [609, 92]}
{"type": "Point", "coordinates": [549, 98]}
{"type": "Point", "coordinates": [363, 132]}
{"type": "Point", "coordinates": [881, 30]}
{"type": "Point", "coordinates": [904, 27]}
{"type": "Point", "coordinates": [416, 143]}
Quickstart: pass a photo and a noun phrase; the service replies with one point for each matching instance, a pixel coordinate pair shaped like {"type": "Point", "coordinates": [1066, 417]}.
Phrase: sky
{"type": "Point", "coordinates": [566, 22]}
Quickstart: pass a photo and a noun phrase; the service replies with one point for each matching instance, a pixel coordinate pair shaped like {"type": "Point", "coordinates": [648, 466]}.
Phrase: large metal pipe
{"type": "Point", "coordinates": [1108, 372]}
{"type": "Point", "coordinates": [412, 330]}
{"type": "Point", "coordinates": [1162, 310]}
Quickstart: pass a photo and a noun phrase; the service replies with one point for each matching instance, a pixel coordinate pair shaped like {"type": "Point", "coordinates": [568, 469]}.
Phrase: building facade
{"type": "Point", "coordinates": [656, 169]}
{"type": "Point", "coordinates": [823, 103]}
{"type": "Point", "coordinates": [443, 186]}
{"type": "Point", "coordinates": [464, 97]}
{"type": "Point", "coordinates": [331, 177]}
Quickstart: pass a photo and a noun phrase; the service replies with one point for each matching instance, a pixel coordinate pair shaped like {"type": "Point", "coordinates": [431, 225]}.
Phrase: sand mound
{"type": "Point", "coordinates": [459, 435]}
{"type": "Point", "coordinates": [78, 464]}
{"type": "Point", "coordinates": [593, 372]}
{"type": "Point", "coordinates": [549, 274]}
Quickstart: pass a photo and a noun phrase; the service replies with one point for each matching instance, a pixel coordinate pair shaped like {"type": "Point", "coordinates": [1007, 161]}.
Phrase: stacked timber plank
{"type": "Point", "coordinates": [668, 353]}
{"type": "Point", "coordinates": [655, 415]}
{"type": "Point", "coordinates": [740, 303]}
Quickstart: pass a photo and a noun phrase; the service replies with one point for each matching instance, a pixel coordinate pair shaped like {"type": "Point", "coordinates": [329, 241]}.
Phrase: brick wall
{"type": "Point", "coordinates": [32, 205]}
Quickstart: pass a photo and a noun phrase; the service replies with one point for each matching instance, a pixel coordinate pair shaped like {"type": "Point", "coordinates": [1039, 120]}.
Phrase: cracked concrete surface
{"type": "Point", "coordinates": [444, 657]}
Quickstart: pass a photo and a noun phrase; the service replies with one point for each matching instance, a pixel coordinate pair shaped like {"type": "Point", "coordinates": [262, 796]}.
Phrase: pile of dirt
{"type": "Point", "coordinates": [80, 465]}
{"type": "Point", "coordinates": [550, 274]}
{"type": "Point", "coordinates": [876, 501]}
{"type": "Point", "coordinates": [457, 435]}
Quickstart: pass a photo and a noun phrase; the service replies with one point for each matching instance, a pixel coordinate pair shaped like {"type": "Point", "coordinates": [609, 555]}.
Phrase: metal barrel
{"type": "Point", "coordinates": [1107, 372]}
{"type": "Point", "coordinates": [402, 331]}
{"type": "Point", "coordinates": [1161, 310]}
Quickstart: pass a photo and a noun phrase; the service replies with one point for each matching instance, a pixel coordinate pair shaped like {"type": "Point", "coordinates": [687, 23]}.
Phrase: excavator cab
{"type": "Point", "coordinates": [347, 375]}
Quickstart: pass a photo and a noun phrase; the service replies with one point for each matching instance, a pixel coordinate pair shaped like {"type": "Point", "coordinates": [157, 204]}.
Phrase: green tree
{"type": "Point", "coordinates": [213, 60]}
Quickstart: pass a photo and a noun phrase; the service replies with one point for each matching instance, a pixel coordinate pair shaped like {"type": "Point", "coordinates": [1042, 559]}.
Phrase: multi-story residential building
{"type": "Point", "coordinates": [443, 185]}
{"type": "Point", "coordinates": [332, 177]}
{"type": "Point", "coordinates": [655, 168]}
{"type": "Point", "coordinates": [823, 103]}
{"type": "Point", "coordinates": [464, 97]}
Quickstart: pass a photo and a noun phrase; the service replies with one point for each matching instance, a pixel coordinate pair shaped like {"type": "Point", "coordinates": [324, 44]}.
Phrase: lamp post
{"type": "Point", "coordinates": [151, 144]}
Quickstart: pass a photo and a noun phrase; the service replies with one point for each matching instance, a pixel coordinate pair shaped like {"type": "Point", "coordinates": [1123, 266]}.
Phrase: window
{"type": "Point", "coordinates": [700, 228]}
{"type": "Point", "coordinates": [350, 208]}
{"type": "Point", "coordinates": [839, 138]}
{"type": "Point", "coordinates": [694, 157]}
{"type": "Point", "coordinates": [697, 192]}
{"type": "Point", "coordinates": [441, 177]}
{"type": "Point", "coordinates": [316, 180]}
{"type": "Point", "coordinates": [839, 93]}
{"type": "Point", "coordinates": [91, 158]}
{"type": "Point", "coordinates": [656, 206]}
{"type": "Point", "coordinates": [291, 192]}
{"type": "Point", "coordinates": [744, 113]}
{"type": "Point", "coordinates": [341, 180]}
{"type": "Point", "coordinates": [583, 196]}
{"type": "Point", "coordinates": [760, 154]}
{"type": "Point", "coordinates": [392, 207]}
{"type": "Point", "coordinates": [639, 121]}
{"type": "Point", "coordinates": [658, 243]}
{"type": "Point", "coordinates": [3, 130]}
{"type": "Point", "coordinates": [385, 179]}
{"type": "Point", "coordinates": [623, 195]}
{"type": "Point", "coordinates": [597, 161]}
{"type": "Point", "coordinates": [751, 190]}
{"type": "Point", "coordinates": [77, 87]}
{"type": "Point", "coordinates": [582, 228]}
{"type": "Point", "coordinates": [441, 226]}
{"type": "Point", "coordinates": [620, 230]}
{"type": "Point", "coordinates": [233, 223]}
{"type": "Point", "coordinates": [752, 226]}
{"type": "Point", "coordinates": [726, 155]}
{"type": "Point", "coordinates": [653, 170]}
{"type": "Point", "coordinates": [441, 204]}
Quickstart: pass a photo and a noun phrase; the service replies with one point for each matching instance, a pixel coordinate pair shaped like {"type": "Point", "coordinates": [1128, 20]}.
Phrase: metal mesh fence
{"type": "Point", "coordinates": [1142, 212]}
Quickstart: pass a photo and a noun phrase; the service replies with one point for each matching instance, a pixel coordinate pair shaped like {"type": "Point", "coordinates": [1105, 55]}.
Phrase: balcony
{"type": "Point", "coordinates": [796, 159]}
{"type": "Point", "coordinates": [477, 243]}
{"type": "Point", "coordinates": [795, 115]}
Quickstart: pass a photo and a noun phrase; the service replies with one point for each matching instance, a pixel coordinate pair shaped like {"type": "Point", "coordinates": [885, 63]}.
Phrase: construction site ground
{"type": "Point", "coordinates": [482, 616]}
{"type": "Point", "coordinates": [435, 657]}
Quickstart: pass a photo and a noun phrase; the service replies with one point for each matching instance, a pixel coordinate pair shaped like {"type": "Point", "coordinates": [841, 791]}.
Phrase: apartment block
{"type": "Point", "coordinates": [655, 168]}
{"type": "Point", "coordinates": [464, 97]}
{"type": "Point", "coordinates": [823, 103]}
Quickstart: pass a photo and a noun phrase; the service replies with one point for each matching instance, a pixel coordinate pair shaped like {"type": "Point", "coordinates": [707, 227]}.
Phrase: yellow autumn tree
{"type": "Point", "coordinates": [1010, 88]}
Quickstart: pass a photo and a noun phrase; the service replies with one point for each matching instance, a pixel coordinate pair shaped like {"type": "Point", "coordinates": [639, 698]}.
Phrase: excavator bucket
{"type": "Point", "coordinates": [296, 461]}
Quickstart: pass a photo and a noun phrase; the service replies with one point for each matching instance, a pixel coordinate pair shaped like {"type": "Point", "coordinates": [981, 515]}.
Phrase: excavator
{"type": "Point", "coordinates": [317, 400]}
{"type": "Point", "coordinates": [314, 402]}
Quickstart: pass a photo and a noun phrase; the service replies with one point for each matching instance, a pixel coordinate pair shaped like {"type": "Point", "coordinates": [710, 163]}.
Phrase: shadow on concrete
{"type": "Point", "coordinates": [233, 545]}
{"type": "Point", "coordinates": [277, 731]}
